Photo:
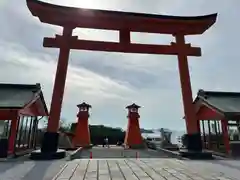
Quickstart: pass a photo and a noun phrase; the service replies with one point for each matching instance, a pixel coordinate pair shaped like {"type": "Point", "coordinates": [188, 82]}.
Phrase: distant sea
{"type": "Point", "coordinates": [174, 135]}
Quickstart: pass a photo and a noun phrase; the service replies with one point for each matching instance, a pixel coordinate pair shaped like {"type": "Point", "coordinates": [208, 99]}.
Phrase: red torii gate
{"type": "Point", "coordinates": [124, 22]}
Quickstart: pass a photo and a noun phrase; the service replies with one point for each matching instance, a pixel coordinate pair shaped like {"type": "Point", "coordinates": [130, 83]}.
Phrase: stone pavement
{"type": "Point", "coordinates": [121, 169]}
{"type": "Point", "coordinates": [116, 163]}
{"type": "Point", "coordinates": [99, 152]}
{"type": "Point", "coordinates": [147, 169]}
{"type": "Point", "coordinates": [30, 170]}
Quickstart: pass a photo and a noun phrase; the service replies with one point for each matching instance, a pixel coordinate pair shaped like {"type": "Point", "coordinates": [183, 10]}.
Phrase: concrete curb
{"type": "Point", "coordinates": [177, 155]}
{"type": "Point", "coordinates": [76, 153]}
{"type": "Point", "coordinates": [173, 154]}
{"type": "Point", "coordinates": [220, 157]}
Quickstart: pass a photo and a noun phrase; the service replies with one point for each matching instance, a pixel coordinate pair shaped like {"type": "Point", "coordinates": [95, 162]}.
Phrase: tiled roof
{"type": "Point", "coordinates": [18, 95]}
{"type": "Point", "coordinates": [84, 105]}
{"type": "Point", "coordinates": [133, 106]}
{"type": "Point", "coordinates": [225, 102]}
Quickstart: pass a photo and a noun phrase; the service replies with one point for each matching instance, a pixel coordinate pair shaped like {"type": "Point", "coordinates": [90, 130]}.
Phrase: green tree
{"type": "Point", "coordinates": [64, 126]}
{"type": "Point", "coordinates": [99, 132]}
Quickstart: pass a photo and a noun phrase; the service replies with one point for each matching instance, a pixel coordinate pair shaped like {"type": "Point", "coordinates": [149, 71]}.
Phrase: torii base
{"type": "Point", "coordinates": [49, 149]}
{"type": "Point", "coordinates": [196, 155]}
{"type": "Point", "coordinates": [39, 155]}
{"type": "Point", "coordinates": [193, 148]}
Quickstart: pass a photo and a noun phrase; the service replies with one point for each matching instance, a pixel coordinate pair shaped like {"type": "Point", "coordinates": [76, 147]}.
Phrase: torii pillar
{"type": "Point", "coordinates": [133, 137]}
{"type": "Point", "coordinates": [82, 135]}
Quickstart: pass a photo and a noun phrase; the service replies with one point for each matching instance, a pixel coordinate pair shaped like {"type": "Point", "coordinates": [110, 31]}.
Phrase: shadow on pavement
{"type": "Point", "coordinates": [4, 166]}
{"type": "Point", "coordinates": [44, 170]}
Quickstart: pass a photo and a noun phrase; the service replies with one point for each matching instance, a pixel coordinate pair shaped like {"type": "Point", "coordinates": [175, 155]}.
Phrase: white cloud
{"type": "Point", "coordinates": [18, 64]}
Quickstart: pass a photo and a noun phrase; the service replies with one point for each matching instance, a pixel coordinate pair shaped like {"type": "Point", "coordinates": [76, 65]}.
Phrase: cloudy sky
{"type": "Point", "coordinates": [110, 81]}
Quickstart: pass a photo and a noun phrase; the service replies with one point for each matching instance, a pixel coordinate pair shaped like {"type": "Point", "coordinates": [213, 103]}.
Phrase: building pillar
{"type": "Point", "coordinates": [224, 123]}
{"type": "Point", "coordinates": [82, 135]}
{"type": "Point", "coordinates": [50, 139]}
{"type": "Point", "coordinates": [193, 135]}
{"type": "Point", "coordinates": [133, 137]}
{"type": "Point", "coordinates": [13, 135]}
{"type": "Point", "coordinates": [199, 126]}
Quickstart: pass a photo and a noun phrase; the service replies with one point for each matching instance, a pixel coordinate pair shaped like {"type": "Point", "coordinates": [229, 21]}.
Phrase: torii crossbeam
{"type": "Point", "coordinates": [70, 18]}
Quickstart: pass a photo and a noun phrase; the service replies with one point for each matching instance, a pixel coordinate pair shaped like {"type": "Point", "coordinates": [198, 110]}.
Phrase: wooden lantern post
{"type": "Point", "coordinates": [82, 135]}
{"type": "Point", "coordinates": [133, 137]}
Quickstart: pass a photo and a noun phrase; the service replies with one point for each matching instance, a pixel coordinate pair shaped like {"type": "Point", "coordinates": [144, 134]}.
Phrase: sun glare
{"type": "Point", "coordinates": [2, 3]}
{"type": "Point", "coordinates": [84, 3]}
{"type": "Point", "coordinates": [75, 3]}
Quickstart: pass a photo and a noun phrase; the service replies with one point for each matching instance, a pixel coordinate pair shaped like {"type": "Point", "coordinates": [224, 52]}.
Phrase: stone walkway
{"type": "Point", "coordinates": [121, 169]}
{"type": "Point", "coordinates": [116, 152]}
{"type": "Point", "coordinates": [30, 170]}
{"type": "Point", "coordinates": [147, 169]}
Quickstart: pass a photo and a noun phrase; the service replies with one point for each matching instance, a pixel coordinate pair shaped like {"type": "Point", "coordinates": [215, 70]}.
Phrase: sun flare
{"type": "Point", "coordinates": [74, 3]}
{"type": "Point", "coordinates": [2, 3]}
{"type": "Point", "coordinates": [84, 3]}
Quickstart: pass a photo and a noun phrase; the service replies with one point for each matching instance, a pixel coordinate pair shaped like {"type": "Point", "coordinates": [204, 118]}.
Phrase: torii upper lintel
{"type": "Point", "coordinates": [115, 20]}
